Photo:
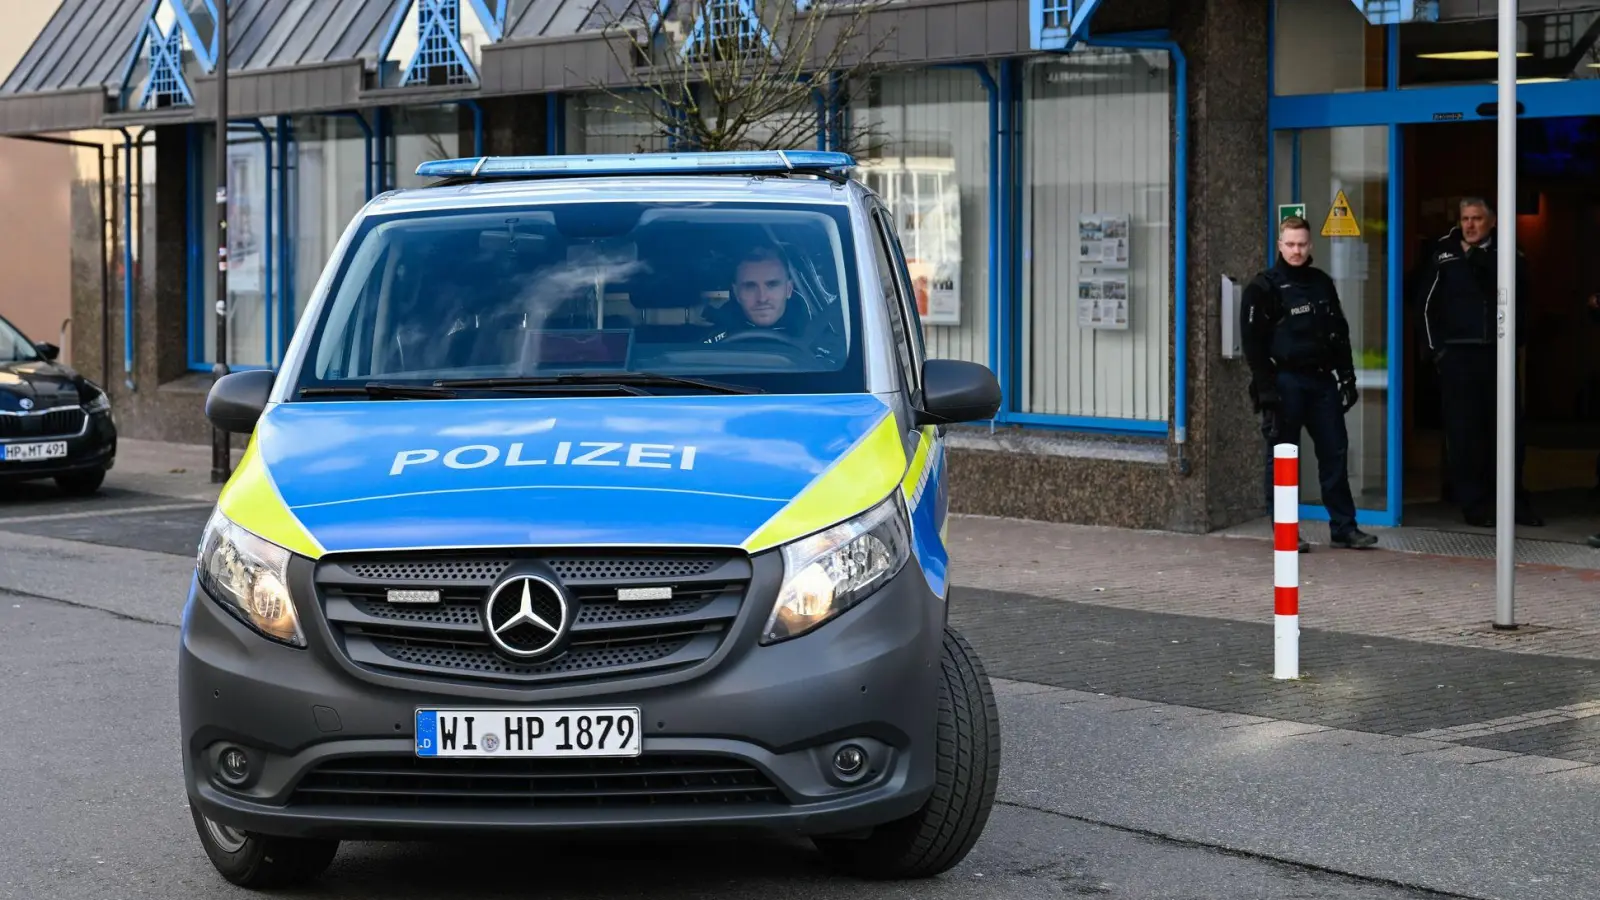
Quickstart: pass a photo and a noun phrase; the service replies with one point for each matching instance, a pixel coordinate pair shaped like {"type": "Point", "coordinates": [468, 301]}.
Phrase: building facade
{"type": "Point", "coordinates": [1078, 180]}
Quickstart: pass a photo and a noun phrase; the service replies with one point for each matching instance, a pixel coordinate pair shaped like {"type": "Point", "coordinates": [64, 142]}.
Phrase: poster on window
{"type": "Point", "coordinates": [1103, 302]}
{"type": "Point", "coordinates": [1103, 241]}
{"type": "Point", "coordinates": [924, 195]}
{"type": "Point", "coordinates": [938, 292]}
{"type": "Point", "coordinates": [246, 189]}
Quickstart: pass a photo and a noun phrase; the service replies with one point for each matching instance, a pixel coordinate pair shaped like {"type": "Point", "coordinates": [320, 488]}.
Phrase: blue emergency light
{"type": "Point", "coordinates": [714, 163]}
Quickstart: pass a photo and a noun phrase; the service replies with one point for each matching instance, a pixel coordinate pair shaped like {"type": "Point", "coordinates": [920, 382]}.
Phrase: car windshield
{"type": "Point", "coordinates": [13, 346]}
{"type": "Point", "coordinates": [759, 296]}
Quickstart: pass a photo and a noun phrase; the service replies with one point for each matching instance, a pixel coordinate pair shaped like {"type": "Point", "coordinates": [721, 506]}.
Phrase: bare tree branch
{"type": "Point", "coordinates": [704, 77]}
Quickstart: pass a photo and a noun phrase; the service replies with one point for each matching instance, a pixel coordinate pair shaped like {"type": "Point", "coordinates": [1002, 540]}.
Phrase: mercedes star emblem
{"type": "Point", "coordinates": [27, 403]}
{"type": "Point", "coordinates": [526, 616]}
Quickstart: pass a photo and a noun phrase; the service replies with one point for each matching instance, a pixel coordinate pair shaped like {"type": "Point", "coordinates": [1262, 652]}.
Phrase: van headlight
{"type": "Point", "coordinates": [246, 575]}
{"type": "Point", "coordinates": [831, 571]}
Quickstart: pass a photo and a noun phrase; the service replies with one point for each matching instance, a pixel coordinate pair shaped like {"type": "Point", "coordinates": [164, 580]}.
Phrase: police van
{"type": "Point", "coordinates": [593, 494]}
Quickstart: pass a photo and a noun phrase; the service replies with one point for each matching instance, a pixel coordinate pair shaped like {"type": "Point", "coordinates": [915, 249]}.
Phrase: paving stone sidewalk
{"type": "Point", "coordinates": [1378, 593]}
{"type": "Point", "coordinates": [1487, 699]}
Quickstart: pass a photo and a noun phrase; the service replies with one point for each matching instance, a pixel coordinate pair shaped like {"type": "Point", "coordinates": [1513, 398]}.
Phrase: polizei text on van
{"type": "Point", "coordinates": [565, 453]}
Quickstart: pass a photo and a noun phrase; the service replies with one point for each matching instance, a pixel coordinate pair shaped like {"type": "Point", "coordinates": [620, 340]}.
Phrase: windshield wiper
{"type": "Point", "coordinates": [601, 379]}
{"type": "Point", "coordinates": [381, 390]}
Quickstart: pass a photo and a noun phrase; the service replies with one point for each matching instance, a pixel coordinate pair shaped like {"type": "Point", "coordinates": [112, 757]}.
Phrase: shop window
{"type": "Point", "coordinates": [1326, 47]}
{"type": "Point", "coordinates": [600, 123]}
{"type": "Point", "coordinates": [250, 249]}
{"type": "Point", "coordinates": [922, 141]}
{"type": "Point", "coordinates": [423, 133]}
{"type": "Point", "coordinates": [328, 186]}
{"type": "Point", "coordinates": [1097, 293]}
{"type": "Point", "coordinates": [1346, 170]}
{"type": "Point", "coordinates": [1550, 47]}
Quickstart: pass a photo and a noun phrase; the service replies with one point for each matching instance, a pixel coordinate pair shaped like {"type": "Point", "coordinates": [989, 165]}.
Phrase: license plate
{"type": "Point", "coordinates": [30, 452]}
{"type": "Point", "coordinates": [528, 732]}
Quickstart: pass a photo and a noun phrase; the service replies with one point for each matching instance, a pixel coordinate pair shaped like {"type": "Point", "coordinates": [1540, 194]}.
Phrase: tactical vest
{"type": "Point", "coordinates": [1302, 329]}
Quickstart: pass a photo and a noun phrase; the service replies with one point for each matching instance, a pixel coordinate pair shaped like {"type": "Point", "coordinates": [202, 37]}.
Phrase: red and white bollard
{"type": "Point", "coordinates": [1286, 560]}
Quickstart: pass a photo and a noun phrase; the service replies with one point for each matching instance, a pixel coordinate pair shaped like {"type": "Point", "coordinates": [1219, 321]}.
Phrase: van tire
{"type": "Point", "coordinates": [259, 861]}
{"type": "Point", "coordinates": [938, 836]}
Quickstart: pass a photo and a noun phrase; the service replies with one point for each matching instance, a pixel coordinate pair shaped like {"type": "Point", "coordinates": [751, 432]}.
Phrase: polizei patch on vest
{"type": "Point", "coordinates": [565, 453]}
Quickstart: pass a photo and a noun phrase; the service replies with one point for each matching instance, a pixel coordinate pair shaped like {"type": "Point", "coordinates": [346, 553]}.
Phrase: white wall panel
{"type": "Point", "coordinates": [1097, 140]}
{"type": "Point", "coordinates": [599, 123]}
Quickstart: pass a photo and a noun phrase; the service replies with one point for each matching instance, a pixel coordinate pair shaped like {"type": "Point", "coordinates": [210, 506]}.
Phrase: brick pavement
{"type": "Point", "coordinates": [1377, 593]}
{"type": "Point", "coordinates": [1353, 682]}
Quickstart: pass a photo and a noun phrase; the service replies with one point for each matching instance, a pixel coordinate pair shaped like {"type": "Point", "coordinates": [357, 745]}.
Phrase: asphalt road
{"type": "Point", "coordinates": [94, 808]}
{"type": "Point", "coordinates": [1101, 796]}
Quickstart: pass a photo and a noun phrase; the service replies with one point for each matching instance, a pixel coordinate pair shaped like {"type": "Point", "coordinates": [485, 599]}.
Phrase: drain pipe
{"type": "Point", "coordinates": [127, 258]}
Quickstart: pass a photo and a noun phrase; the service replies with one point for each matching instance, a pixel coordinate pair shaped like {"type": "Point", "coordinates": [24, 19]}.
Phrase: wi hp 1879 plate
{"type": "Point", "coordinates": [547, 733]}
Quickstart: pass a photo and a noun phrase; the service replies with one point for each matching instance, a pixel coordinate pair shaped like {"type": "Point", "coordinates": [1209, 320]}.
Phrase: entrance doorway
{"type": "Point", "coordinates": [1558, 230]}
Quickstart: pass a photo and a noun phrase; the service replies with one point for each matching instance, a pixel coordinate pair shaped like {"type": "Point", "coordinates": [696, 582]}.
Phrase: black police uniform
{"type": "Point", "coordinates": [1297, 343]}
{"type": "Point", "coordinates": [1459, 299]}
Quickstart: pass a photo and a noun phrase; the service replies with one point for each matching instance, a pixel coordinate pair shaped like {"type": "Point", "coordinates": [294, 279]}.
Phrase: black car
{"type": "Point", "coordinates": [54, 423]}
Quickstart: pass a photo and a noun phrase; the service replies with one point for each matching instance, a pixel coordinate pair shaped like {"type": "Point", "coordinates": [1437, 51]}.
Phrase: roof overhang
{"type": "Point", "coordinates": [53, 111]}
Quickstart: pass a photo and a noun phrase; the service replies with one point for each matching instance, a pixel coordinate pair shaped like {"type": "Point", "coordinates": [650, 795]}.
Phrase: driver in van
{"type": "Point", "coordinates": [763, 287]}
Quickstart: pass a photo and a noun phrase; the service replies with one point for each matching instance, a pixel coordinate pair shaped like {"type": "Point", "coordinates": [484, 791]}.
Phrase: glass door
{"type": "Point", "coordinates": [1342, 179]}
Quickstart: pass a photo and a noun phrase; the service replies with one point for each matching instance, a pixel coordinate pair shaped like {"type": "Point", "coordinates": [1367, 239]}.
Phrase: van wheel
{"type": "Point", "coordinates": [940, 834]}
{"type": "Point", "coordinates": [262, 861]}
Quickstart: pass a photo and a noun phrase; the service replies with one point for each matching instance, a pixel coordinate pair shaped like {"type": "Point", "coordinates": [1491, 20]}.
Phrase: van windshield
{"type": "Point", "coordinates": [757, 295]}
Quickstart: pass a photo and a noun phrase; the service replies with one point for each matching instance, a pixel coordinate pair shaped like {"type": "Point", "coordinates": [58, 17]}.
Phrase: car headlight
{"type": "Point", "coordinates": [246, 576]}
{"type": "Point", "coordinates": [831, 571]}
{"type": "Point", "coordinates": [100, 403]}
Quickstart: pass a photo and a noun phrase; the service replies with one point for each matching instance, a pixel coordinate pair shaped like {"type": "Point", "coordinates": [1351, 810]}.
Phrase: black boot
{"type": "Point", "coordinates": [1355, 540]}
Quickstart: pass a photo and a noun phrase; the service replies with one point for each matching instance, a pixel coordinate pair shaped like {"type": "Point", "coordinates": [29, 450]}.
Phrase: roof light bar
{"type": "Point", "coordinates": [728, 162]}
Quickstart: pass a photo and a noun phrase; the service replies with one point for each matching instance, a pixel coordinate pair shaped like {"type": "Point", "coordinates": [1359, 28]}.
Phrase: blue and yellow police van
{"type": "Point", "coordinates": [593, 494]}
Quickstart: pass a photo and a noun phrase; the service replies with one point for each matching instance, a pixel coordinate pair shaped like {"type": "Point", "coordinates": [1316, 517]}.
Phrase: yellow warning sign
{"type": "Point", "coordinates": [1341, 221]}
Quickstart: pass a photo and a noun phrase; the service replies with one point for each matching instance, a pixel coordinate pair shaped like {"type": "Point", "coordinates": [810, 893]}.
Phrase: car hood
{"type": "Point", "coordinates": [747, 471]}
{"type": "Point", "coordinates": [42, 384]}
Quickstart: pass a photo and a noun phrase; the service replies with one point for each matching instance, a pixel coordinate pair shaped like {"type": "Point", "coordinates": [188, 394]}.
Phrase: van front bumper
{"type": "Point", "coordinates": [94, 447]}
{"type": "Point", "coordinates": [747, 741]}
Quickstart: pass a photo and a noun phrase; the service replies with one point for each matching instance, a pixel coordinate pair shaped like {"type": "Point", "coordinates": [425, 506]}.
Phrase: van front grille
{"type": "Point", "coordinates": [611, 637]}
{"type": "Point", "coordinates": [405, 782]}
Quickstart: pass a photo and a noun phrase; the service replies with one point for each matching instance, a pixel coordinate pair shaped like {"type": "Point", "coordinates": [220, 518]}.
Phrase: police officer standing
{"type": "Point", "coordinates": [1297, 343]}
{"type": "Point", "coordinates": [1460, 289]}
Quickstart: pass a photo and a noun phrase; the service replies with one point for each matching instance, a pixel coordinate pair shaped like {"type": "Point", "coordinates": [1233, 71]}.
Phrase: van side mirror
{"type": "Point", "coordinates": [237, 399]}
{"type": "Point", "coordinates": [954, 391]}
{"type": "Point", "coordinates": [47, 350]}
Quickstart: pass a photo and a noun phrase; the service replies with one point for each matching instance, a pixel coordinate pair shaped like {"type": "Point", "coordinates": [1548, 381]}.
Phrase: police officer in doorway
{"type": "Point", "coordinates": [1302, 370]}
{"type": "Point", "coordinates": [1459, 282]}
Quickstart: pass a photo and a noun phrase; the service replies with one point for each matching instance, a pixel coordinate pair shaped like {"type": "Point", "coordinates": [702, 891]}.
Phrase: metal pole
{"type": "Point", "coordinates": [221, 444]}
{"type": "Point", "coordinates": [1506, 254]}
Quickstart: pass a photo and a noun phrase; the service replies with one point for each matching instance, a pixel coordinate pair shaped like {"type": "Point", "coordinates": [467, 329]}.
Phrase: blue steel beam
{"type": "Point", "coordinates": [132, 170]}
